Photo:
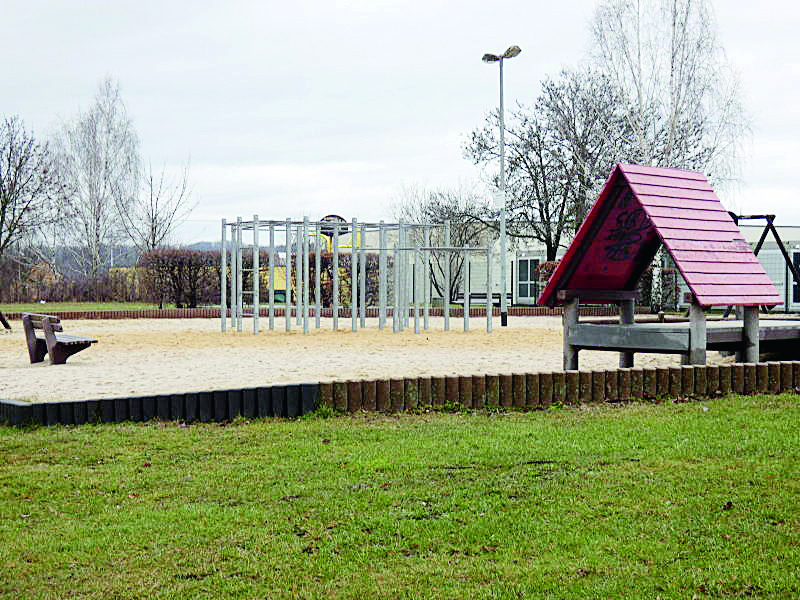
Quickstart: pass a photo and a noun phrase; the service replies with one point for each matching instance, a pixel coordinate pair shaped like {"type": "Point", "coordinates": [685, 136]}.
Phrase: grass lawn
{"type": "Point", "coordinates": [639, 501]}
{"type": "Point", "coordinates": [50, 307]}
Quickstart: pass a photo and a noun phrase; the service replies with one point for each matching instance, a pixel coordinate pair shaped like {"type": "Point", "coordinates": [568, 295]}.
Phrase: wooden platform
{"type": "Point", "coordinates": [674, 337]}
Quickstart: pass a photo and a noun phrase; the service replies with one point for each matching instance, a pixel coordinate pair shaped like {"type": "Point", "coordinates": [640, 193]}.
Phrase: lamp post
{"type": "Point", "coordinates": [491, 58]}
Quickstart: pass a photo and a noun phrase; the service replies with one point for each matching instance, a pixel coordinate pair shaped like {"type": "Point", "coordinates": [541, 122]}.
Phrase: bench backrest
{"type": "Point", "coordinates": [36, 321]}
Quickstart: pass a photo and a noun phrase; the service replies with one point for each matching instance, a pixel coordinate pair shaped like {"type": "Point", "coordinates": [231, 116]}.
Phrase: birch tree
{"type": "Point", "coordinates": [682, 104]}
{"type": "Point", "coordinates": [99, 157]}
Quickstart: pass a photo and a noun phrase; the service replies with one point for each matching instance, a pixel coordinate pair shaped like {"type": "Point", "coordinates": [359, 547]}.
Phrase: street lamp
{"type": "Point", "coordinates": [492, 58]}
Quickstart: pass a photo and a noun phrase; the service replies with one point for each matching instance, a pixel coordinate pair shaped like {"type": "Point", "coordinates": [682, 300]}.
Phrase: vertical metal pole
{"type": "Point", "coordinates": [272, 277]}
{"type": "Point", "coordinates": [287, 313]}
{"type": "Point", "coordinates": [503, 257]}
{"type": "Point", "coordinates": [305, 274]}
{"type": "Point", "coordinates": [416, 286]}
{"type": "Point", "coordinates": [400, 265]}
{"type": "Point", "coordinates": [298, 274]}
{"type": "Point", "coordinates": [336, 277]}
{"type": "Point", "coordinates": [465, 287]}
{"type": "Point", "coordinates": [382, 276]}
{"type": "Point", "coordinates": [489, 303]}
{"type": "Point", "coordinates": [354, 276]}
{"type": "Point", "coordinates": [223, 280]}
{"type": "Point", "coordinates": [317, 270]}
{"type": "Point", "coordinates": [362, 277]}
{"type": "Point", "coordinates": [426, 278]}
{"type": "Point", "coordinates": [239, 276]}
{"type": "Point", "coordinates": [234, 276]}
{"type": "Point", "coordinates": [396, 279]}
{"type": "Point", "coordinates": [256, 276]}
{"type": "Point", "coordinates": [448, 255]}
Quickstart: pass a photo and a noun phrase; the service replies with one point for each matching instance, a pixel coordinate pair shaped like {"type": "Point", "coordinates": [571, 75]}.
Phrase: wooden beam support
{"type": "Point", "coordinates": [627, 310]}
{"type": "Point", "coordinates": [599, 295]}
{"type": "Point", "coordinates": [750, 335]}
{"type": "Point", "coordinates": [569, 318]}
{"type": "Point", "coordinates": [697, 334]}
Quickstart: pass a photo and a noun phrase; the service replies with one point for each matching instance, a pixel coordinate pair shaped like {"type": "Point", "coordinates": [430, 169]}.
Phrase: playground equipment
{"type": "Point", "coordinates": [405, 283]}
{"type": "Point", "coordinates": [639, 209]}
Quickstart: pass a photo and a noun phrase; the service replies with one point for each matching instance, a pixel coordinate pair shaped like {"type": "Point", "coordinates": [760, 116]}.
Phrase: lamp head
{"type": "Point", "coordinates": [490, 58]}
{"type": "Point", "coordinates": [511, 52]}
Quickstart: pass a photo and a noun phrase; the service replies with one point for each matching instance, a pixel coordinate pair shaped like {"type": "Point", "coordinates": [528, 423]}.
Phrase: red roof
{"type": "Point", "coordinates": [640, 208]}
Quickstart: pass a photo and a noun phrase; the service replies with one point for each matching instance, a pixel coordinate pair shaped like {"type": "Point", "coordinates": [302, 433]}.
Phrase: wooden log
{"type": "Point", "coordinates": [569, 318]}
{"type": "Point", "coordinates": [624, 385]}
{"type": "Point", "coordinates": [354, 395]}
{"type": "Point", "coordinates": [737, 378]}
{"type": "Point", "coordinates": [662, 382]}
{"type": "Point", "coordinates": [675, 382]}
{"type": "Point", "coordinates": [411, 393]}
{"type": "Point", "coordinates": [425, 398]}
{"type": "Point", "coordinates": [396, 394]}
{"type": "Point", "coordinates": [478, 391]}
{"type": "Point", "coordinates": [452, 390]}
{"type": "Point", "coordinates": [584, 387]}
{"type": "Point", "coordinates": [725, 379]}
{"type": "Point", "coordinates": [369, 395]}
{"type": "Point", "coordinates": [326, 394]}
{"type": "Point", "coordinates": [796, 375]}
{"type": "Point", "coordinates": [786, 377]}
{"type": "Point", "coordinates": [687, 380]}
{"type": "Point", "coordinates": [762, 378]}
{"type": "Point", "coordinates": [465, 391]}
{"type": "Point", "coordinates": [700, 383]}
{"type": "Point", "coordinates": [438, 390]}
{"type": "Point", "coordinates": [750, 373]}
{"type": "Point", "coordinates": [598, 386]}
{"type": "Point", "coordinates": [750, 335]}
{"type": "Point", "coordinates": [712, 381]}
{"type": "Point", "coordinates": [545, 389]}
{"type": "Point", "coordinates": [637, 383]}
{"type": "Point", "coordinates": [382, 402]}
{"type": "Point", "coordinates": [649, 382]}
{"type": "Point", "coordinates": [612, 385]}
{"type": "Point", "coordinates": [559, 387]}
{"type": "Point", "coordinates": [518, 390]}
{"type": "Point", "coordinates": [532, 390]}
{"type": "Point", "coordinates": [774, 377]}
{"type": "Point", "coordinates": [506, 390]}
{"type": "Point", "coordinates": [493, 390]}
{"type": "Point", "coordinates": [571, 392]}
{"type": "Point", "coordinates": [340, 395]}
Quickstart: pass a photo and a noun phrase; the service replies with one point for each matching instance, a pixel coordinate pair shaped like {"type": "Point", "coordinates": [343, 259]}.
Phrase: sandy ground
{"type": "Point", "coordinates": [159, 356]}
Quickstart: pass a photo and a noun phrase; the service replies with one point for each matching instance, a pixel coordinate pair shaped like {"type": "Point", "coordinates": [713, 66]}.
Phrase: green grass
{"type": "Point", "coordinates": [642, 501]}
{"type": "Point", "coordinates": [50, 307]}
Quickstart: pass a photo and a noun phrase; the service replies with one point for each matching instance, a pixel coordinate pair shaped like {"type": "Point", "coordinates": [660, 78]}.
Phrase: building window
{"type": "Point", "coordinates": [527, 284]}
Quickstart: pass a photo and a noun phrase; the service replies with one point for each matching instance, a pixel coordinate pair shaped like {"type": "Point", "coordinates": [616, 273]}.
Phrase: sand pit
{"type": "Point", "coordinates": [160, 356]}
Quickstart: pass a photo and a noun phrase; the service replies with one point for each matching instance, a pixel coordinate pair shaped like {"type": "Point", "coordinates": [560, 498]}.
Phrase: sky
{"type": "Point", "coordinates": [307, 108]}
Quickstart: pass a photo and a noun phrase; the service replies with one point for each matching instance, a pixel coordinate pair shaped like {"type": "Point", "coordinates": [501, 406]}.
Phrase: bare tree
{"type": "Point", "coordinates": [558, 154]}
{"type": "Point", "coordinates": [162, 205]}
{"type": "Point", "coordinates": [463, 208]}
{"type": "Point", "coordinates": [99, 156]}
{"type": "Point", "coordinates": [682, 105]}
{"type": "Point", "coordinates": [32, 195]}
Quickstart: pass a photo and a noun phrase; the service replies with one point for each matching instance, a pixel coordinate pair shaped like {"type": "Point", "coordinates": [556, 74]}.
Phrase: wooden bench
{"type": "Point", "coordinates": [480, 298]}
{"type": "Point", "coordinates": [59, 346]}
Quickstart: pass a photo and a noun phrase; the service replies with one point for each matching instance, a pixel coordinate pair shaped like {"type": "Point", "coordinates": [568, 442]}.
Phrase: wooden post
{"type": "Point", "coordinates": [750, 335]}
{"type": "Point", "coordinates": [697, 334]}
{"type": "Point", "coordinates": [570, 318]}
{"type": "Point", "coordinates": [627, 309]}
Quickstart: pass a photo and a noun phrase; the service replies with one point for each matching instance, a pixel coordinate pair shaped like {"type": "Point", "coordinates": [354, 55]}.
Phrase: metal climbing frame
{"type": "Point", "coordinates": [404, 295]}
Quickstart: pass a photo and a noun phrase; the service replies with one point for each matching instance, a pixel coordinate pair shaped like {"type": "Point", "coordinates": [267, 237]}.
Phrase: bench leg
{"type": "Point", "coordinates": [37, 351]}
{"type": "Point", "coordinates": [60, 353]}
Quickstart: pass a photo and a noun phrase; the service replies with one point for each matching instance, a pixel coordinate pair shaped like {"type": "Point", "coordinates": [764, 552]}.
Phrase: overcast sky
{"type": "Point", "coordinates": [302, 108]}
